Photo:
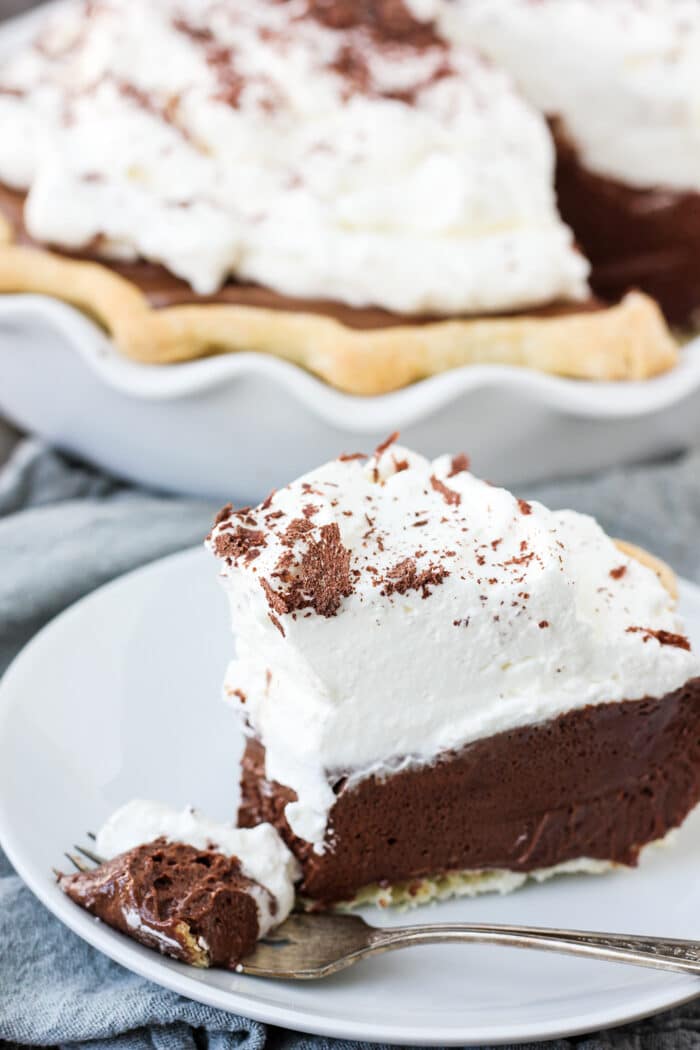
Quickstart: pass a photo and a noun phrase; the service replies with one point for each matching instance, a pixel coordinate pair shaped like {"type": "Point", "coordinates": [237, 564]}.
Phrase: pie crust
{"type": "Point", "coordinates": [629, 340]}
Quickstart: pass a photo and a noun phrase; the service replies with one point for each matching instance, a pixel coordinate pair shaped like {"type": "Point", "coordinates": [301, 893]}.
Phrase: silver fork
{"type": "Point", "coordinates": [309, 946]}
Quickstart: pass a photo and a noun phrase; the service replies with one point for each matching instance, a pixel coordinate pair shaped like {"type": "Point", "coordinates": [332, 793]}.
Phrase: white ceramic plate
{"type": "Point", "coordinates": [119, 697]}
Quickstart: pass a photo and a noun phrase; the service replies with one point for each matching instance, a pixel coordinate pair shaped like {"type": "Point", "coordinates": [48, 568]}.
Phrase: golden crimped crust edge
{"type": "Point", "coordinates": [627, 341]}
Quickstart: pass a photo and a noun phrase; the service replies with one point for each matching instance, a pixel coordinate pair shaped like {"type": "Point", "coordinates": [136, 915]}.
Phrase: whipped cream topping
{"type": "Point", "coordinates": [390, 609]}
{"type": "Point", "coordinates": [262, 854]}
{"type": "Point", "coordinates": [318, 152]}
{"type": "Point", "coordinates": [621, 75]}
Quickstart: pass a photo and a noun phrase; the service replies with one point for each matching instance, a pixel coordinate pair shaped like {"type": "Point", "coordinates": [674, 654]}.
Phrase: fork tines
{"type": "Point", "coordinates": [88, 854]}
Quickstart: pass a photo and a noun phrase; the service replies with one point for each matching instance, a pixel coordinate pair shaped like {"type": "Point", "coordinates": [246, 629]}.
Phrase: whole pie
{"type": "Point", "coordinates": [343, 185]}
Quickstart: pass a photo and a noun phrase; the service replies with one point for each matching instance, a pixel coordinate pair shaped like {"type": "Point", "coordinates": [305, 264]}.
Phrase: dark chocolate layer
{"type": "Point", "coordinates": [162, 289]}
{"type": "Point", "coordinates": [600, 782]}
{"type": "Point", "coordinates": [634, 238]}
{"type": "Point", "coordinates": [194, 905]}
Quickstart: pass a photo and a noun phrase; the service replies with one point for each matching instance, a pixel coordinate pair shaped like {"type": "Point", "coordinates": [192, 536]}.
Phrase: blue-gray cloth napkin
{"type": "Point", "coordinates": [64, 530]}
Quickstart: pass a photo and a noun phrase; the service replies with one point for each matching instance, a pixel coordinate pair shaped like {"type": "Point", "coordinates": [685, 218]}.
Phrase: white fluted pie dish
{"type": "Point", "coordinates": [238, 425]}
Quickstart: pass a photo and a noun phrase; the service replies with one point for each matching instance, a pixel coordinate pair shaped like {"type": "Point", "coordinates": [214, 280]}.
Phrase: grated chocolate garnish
{"type": "Point", "coordinates": [345, 457]}
{"type": "Point", "coordinates": [325, 571]}
{"type": "Point", "coordinates": [225, 512]}
{"type": "Point", "coordinates": [351, 64]}
{"type": "Point", "coordinates": [275, 600]}
{"type": "Point", "coordinates": [297, 528]}
{"type": "Point", "coordinates": [387, 21]}
{"type": "Point", "coordinates": [284, 564]}
{"type": "Point", "coordinates": [385, 444]}
{"type": "Point", "coordinates": [238, 543]}
{"type": "Point", "coordinates": [318, 580]}
{"type": "Point", "coordinates": [662, 637]}
{"type": "Point", "coordinates": [524, 559]}
{"type": "Point", "coordinates": [145, 101]}
{"type": "Point", "coordinates": [405, 577]}
{"type": "Point", "coordinates": [460, 464]}
{"type": "Point", "coordinates": [619, 572]}
{"type": "Point", "coordinates": [221, 60]}
{"type": "Point", "coordinates": [450, 496]}
{"type": "Point", "coordinates": [525, 507]}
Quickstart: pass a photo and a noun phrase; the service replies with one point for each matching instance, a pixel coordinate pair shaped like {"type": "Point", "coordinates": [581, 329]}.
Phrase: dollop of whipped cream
{"type": "Point", "coordinates": [621, 75]}
{"type": "Point", "coordinates": [260, 851]}
{"type": "Point", "coordinates": [324, 150]}
{"type": "Point", "coordinates": [389, 609]}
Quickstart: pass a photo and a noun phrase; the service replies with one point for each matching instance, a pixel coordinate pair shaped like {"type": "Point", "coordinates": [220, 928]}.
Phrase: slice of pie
{"type": "Point", "coordinates": [332, 183]}
{"type": "Point", "coordinates": [619, 82]}
{"type": "Point", "coordinates": [447, 689]}
{"type": "Point", "coordinates": [178, 882]}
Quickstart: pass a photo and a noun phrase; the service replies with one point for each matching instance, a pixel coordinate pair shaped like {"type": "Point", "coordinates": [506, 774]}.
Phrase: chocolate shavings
{"type": "Point", "coordinates": [662, 637]}
{"type": "Point", "coordinates": [450, 496]}
{"type": "Point", "coordinates": [385, 444]}
{"type": "Point", "coordinates": [405, 577]}
{"type": "Point", "coordinates": [239, 543]}
{"type": "Point", "coordinates": [319, 580]}
{"type": "Point", "coordinates": [460, 464]}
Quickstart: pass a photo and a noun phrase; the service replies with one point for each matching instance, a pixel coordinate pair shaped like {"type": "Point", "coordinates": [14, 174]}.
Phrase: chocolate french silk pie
{"type": "Point", "coordinates": [446, 689]}
{"type": "Point", "coordinates": [335, 183]}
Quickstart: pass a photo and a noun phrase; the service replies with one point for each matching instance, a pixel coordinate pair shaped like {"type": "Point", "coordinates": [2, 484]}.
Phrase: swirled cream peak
{"type": "Point", "coordinates": [622, 76]}
{"type": "Point", "coordinates": [391, 608]}
{"type": "Point", "coordinates": [328, 150]}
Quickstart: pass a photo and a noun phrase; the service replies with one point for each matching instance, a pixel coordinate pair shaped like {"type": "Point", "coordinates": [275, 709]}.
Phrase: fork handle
{"type": "Point", "coordinates": [660, 953]}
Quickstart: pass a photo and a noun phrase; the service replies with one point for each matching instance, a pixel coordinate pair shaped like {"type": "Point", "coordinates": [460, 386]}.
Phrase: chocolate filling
{"type": "Point", "coordinates": [634, 238]}
{"type": "Point", "coordinates": [162, 289]}
{"type": "Point", "coordinates": [600, 782]}
{"type": "Point", "coordinates": [194, 905]}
